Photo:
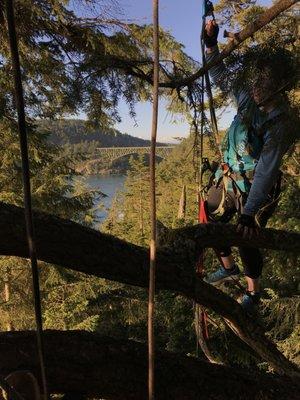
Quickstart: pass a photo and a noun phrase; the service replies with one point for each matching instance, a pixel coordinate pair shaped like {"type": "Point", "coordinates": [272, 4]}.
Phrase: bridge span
{"type": "Point", "coordinates": [109, 154]}
{"type": "Point", "coordinates": [106, 155]}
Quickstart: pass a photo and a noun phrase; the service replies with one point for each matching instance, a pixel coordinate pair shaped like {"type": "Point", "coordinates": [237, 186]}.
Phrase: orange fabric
{"type": "Point", "coordinates": [202, 217]}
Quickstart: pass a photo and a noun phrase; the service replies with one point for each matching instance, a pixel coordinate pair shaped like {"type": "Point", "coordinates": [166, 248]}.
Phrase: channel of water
{"type": "Point", "coordinates": [108, 184]}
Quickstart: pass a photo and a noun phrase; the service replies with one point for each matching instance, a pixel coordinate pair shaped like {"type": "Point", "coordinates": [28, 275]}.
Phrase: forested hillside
{"type": "Point", "coordinates": [80, 140]}
{"type": "Point", "coordinates": [76, 131]}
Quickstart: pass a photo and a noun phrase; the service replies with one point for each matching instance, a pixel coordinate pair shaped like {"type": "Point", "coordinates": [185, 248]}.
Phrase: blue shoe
{"type": "Point", "coordinates": [250, 302]}
{"type": "Point", "coordinates": [222, 274]}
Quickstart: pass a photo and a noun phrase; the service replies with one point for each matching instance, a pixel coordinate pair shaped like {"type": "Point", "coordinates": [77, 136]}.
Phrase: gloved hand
{"type": "Point", "coordinates": [211, 32]}
{"type": "Point", "coordinates": [246, 226]}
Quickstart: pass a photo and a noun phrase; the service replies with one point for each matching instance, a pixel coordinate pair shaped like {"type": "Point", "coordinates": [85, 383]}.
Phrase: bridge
{"type": "Point", "coordinates": [106, 155]}
{"type": "Point", "coordinates": [110, 154]}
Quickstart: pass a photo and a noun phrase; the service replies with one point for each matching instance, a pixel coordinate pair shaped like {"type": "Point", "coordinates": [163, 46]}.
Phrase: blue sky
{"type": "Point", "coordinates": [183, 20]}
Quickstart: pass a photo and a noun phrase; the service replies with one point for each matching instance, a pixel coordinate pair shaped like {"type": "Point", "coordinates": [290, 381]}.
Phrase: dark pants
{"type": "Point", "coordinates": [252, 258]}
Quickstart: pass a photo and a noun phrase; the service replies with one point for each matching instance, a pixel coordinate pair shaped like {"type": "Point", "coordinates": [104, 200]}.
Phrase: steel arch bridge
{"type": "Point", "coordinates": [110, 154]}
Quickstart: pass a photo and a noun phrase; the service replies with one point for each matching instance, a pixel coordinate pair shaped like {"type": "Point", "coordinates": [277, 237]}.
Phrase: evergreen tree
{"type": "Point", "coordinates": [56, 189]}
{"type": "Point", "coordinates": [129, 215]}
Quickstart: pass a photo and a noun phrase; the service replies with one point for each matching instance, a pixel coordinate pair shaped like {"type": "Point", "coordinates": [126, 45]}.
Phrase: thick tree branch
{"type": "Point", "coordinates": [82, 249]}
{"type": "Point", "coordinates": [130, 67]}
{"type": "Point", "coordinates": [246, 33]}
{"type": "Point", "coordinates": [82, 362]}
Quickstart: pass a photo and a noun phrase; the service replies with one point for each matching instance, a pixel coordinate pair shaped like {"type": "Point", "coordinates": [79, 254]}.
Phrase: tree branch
{"type": "Point", "coordinates": [82, 249]}
{"type": "Point", "coordinates": [246, 33]}
{"type": "Point", "coordinates": [119, 370]}
{"type": "Point", "coordinates": [129, 65]}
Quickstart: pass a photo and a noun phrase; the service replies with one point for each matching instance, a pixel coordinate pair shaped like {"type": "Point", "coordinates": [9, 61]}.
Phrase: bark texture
{"type": "Point", "coordinates": [73, 246]}
{"type": "Point", "coordinates": [81, 362]}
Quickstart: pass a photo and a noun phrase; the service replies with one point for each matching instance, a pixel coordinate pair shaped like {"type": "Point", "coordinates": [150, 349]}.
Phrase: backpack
{"type": "Point", "coordinates": [241, 148]}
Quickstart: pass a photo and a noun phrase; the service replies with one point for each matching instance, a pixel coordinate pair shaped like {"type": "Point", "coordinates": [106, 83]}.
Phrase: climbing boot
{"type": "Point", "coordinates": [222, 274]}
{"type": "Point", "coordinates": [250, 302]}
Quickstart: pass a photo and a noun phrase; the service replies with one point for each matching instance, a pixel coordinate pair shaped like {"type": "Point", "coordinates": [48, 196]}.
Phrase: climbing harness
{"type": "Point", "coordinates": [26, 185]}
{"type": "Point", "coordinates": [240, 181]}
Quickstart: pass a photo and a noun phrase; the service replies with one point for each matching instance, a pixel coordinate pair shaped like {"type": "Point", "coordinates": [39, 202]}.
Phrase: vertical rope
{"type": "Point", "coordinates": [213, 117]}
{"type": "Point", "coordinates": [200, 313]}
{"type": "Point", "coordinates": [26, 184]}
{"type": "Point", "coordinates": [151, 342]}
{"type": "Point", "coordinates": [200, 188]}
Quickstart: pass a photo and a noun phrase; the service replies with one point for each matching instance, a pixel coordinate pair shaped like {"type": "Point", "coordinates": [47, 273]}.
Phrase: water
{"type": "Point", "coordinates": [107, 184]}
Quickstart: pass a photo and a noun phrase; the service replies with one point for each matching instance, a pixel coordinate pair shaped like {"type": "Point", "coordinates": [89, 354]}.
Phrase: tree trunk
{"type": "Point", "coordinates": [85, 363]}
{"type": "Point", "coordinates": [7, 288]}
{"type": "Point", "coordinates": [73, 246]}
{"type": "Point", "coordinates": [182, 204]}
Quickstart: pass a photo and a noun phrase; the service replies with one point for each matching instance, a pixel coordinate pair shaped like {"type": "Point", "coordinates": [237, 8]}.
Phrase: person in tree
{"type": "Point", "coordinates": [248, 180]}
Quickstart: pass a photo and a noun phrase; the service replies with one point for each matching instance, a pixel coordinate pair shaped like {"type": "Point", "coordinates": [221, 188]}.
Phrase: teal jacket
{"type": "Point", "coordinates": [254, 141]}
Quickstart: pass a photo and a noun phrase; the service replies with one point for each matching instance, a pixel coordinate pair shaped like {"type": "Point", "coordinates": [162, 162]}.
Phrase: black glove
{"type": "Point", "coordinates": [246, 220]}
{"type": "Point", "coordinates": [211, 41]}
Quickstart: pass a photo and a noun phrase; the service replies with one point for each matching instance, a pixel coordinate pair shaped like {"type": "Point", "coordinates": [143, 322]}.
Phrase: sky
{"type": "Point", "coordinates": [182, 18]}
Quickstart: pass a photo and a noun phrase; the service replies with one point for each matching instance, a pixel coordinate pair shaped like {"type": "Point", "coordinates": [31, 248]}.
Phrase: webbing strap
{"type": "Point", "coordinates": [226, 172]}
{"type": "Point", "coordinates": [226, 178]}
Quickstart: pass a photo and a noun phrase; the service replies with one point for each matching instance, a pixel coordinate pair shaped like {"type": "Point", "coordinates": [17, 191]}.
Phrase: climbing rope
{"type": "Point", "coordinates": [201, 317]}
{"type": "Point", "coordinates": [151, 302]}
{"type": "Point", "coordinates": [26, 186]}
{"type": "Point", "coordinates": [209, 10]}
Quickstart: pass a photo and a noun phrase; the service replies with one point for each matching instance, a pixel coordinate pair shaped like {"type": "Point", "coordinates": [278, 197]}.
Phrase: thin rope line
{"type": "Point", "coordinates": [26, 185]}
{"type": "Point", "coordinates": [151, 303]}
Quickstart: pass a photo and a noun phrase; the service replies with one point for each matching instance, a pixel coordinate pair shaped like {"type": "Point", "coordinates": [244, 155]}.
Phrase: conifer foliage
{"type": "Point", "coordinates": [73, 64]}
